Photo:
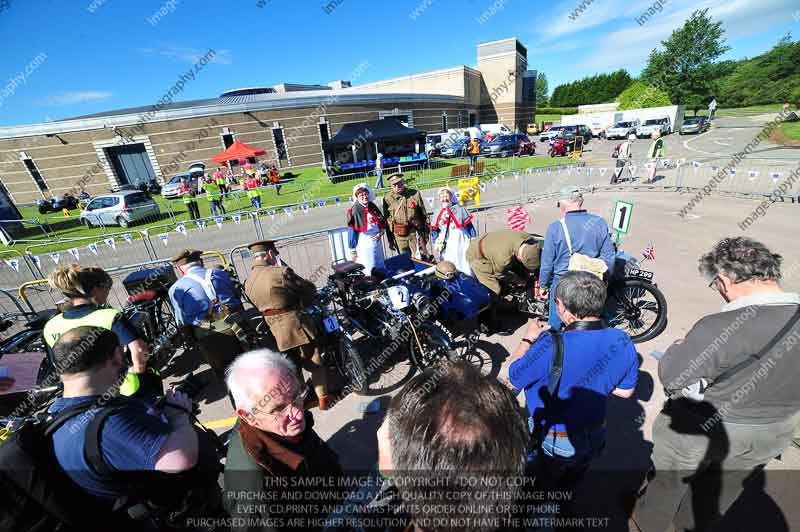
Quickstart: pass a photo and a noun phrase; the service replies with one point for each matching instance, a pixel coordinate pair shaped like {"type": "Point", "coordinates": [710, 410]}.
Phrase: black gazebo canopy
{"type": "Point", "coordinates": [383, 130]}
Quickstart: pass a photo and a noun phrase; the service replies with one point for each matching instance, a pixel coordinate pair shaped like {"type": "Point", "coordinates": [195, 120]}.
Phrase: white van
{"type": "Point", "coordinates": [496, 129]}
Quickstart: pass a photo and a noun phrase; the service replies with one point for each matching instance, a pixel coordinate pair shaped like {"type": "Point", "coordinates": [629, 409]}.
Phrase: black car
{"type": "Point", "coordinates": [569, 133]}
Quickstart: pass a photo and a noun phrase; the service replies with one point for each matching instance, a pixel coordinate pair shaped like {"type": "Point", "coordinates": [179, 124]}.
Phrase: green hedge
{"type": "Point", "coordinates": [556, 110]}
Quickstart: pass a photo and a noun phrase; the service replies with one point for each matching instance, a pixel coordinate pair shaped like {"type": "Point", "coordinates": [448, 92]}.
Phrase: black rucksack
{"type": "Point", "coordinates": [36, 495]}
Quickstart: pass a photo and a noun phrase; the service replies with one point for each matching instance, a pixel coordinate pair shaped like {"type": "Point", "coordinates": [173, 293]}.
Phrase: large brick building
{"type": "Point", "coordinates": [105, 150]}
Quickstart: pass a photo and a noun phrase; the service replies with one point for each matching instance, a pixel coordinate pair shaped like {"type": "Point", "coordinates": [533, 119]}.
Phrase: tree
{"type": "Point", "coordinates": [685, 67]}
{"type": "Point", "coordinates": [599, 88]}
{"type": "Point", "coordinates": [541, 90]}
{"type": "Point", "coordinates": [641, 96]}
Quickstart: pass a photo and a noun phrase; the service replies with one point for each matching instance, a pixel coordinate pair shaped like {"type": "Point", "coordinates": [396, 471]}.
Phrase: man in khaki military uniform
{"type": "Point", "coordinates": [406, 217]}
{"type": "Point", "coordinates": [280, 295]}
{"type": "Point", "coordinates": [493, 256]}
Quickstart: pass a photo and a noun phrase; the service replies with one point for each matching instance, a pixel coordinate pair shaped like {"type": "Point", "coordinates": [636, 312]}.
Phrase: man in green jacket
{"type": "Point", "coordinates": [214, 195]}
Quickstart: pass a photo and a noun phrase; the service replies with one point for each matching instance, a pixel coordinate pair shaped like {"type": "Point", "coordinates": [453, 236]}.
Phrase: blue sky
{"type": "Point", "coordinates": [79, 57]}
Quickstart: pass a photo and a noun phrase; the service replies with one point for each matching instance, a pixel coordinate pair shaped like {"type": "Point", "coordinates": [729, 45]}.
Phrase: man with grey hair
{"type": "Point", "coordinates": [733, 395]}
{"type": "Point", "coordinates": [576, 231]}
{"type": "Point", "coordinates": [279, 474]}
{"type": "Point", "coordinates": [567, 377]}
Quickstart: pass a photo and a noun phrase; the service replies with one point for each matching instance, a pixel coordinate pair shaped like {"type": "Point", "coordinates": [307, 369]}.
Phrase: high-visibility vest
{"type": "Point", "coordinates": [252, 189]}
{"type": "Point", "coordinates": [212, 191]}
{"type": "Point", "coordinates": [187, 198]}
{"type": "Point", "coordinates": [58, 325]}
{"type": "Point", "coordinates": [220, 180]}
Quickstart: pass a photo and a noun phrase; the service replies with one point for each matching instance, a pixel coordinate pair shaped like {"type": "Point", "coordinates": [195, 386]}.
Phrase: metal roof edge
{"type": "Point", "coordinates": [69, 126]}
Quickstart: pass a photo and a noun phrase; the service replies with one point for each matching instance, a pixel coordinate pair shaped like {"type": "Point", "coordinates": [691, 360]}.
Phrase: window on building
{"type": "Point", "coordinates": [280, 144]}
{"type": "Point", "coordinates": [227, 142]}
{"type": "Point", "coordinates": [324, 132]}
{"type": "Point", "coordinates": [444, 122]}
{"type": "Point", "coordinates": [37, 177]}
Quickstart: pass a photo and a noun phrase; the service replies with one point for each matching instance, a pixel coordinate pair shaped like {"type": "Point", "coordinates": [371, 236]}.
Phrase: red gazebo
{"type": "Point", "coordinates": [238, 150]}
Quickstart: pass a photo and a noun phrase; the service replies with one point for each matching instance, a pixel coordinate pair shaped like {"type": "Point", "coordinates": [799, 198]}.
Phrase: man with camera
{"type": "Point", "coordinates": [733, 395]}
{"type": "Point", "coordinates": [130, 438]}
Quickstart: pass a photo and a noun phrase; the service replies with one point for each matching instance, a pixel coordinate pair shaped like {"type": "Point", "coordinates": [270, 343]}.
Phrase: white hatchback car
{"type": "Point", "coordinates": [120, 208]}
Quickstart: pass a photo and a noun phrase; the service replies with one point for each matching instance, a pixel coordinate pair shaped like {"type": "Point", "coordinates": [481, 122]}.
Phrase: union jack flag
{"type": "Point", "coordinates": [649, 252]}
{"type": "Point", "coordinates": [517, 217]}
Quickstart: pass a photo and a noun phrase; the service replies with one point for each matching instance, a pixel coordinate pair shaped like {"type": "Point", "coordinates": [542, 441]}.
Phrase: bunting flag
{"type": "Point", "coordinates": [714, 169]}
{"type": "Point", "coordinates": [92, 247]}
{"type": "Point", "coordinates": [304, 207]}
{"type": "Point", "coordinates": [482, 186]}
{"type": "Point", "coordinates": [549, 170]}
{"type": "Point", "coordinates": [321, 203]}
{"type": "Point", "coordinates": [36, 260]}
{"type": "Point", "coordinates": [164, 238]}
{"type": "Point", "coordinates": [603, 171]}
{"type": "Point", "coordinates": [337, 200]}
{"type": "Point", "coordinates": [732, 171]}
{"type": "Point", "coordinates": [352, 201]}
{"type": "Point", "coordinates": [753, 174]}
{"type": "Point", "coordinates": [271, 214]}
{"type": "Point", "coordinates": [111, 243]}
{"type": "Point", "coordinates": [430, 201]}
{"type": "Point", "coordinates": [517, 217]}
{"type": "Point", "coordinates": [529, 171]}
{"type": "Point", "coordinates": [237, 219]}
{"type": "Point", "coordinates": [559, 168]}
{"type": "Point", "coordinates": [55, 257]}
{"type": "Point", "coordinates": [74, 253]}
{"type": "Point", "coordinates": [218, 220]}
{"type": "Point", "coordinates": [201, 224]}
{"type": "Point", "coordinates": [145, 232]}
{"type": "Point", "coordinates": [539, 171]}
{"type": "Point", "coordinates": [665, 163]}
{"type": "Point", "coordinates": [590, 170]}
{"type": "Point", "coordinates": [181, 228]}
{"type": "Point", "coordinates": [579, 170]}
{"type": "Point", "coordinates": [516, 176]}
{"type": "Point", "coordinates": [13, 264]}
{"type": "Point", "coordinates": [633, 169]}
{"type": "Point", "coordinates": [254, 214]}
{"type": "Point", "coordinates": [289, 210]}
{"type": "Point", "coordinates": [127, 237]}
{"type": "Point", "coordinates": [494, 181]}
{"type": "Point", "coordinates": [775, 176]}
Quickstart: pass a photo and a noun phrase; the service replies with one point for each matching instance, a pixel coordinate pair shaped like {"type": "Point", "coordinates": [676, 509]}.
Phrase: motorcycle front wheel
{"type": "Point", "coordinates": [437, 345]}
{"type": "Point", "coordinates": [351, 366]}
{"type": "Point", "coordinates": [637, 307]}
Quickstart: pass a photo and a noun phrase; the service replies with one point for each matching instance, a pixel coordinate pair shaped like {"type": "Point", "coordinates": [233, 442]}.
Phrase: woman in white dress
{"type": "Point", "coordinates": [366, 225]}
{"type": "Point", "coordinates": [452, 230]}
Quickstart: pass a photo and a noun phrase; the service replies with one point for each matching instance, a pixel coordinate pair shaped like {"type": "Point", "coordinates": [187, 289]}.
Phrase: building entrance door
{"type": "Point", "coordinates": [131, 164]}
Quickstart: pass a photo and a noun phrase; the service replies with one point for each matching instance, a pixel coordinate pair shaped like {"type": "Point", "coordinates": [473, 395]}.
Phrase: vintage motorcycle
{"type": "Point", "coordinates": [634, 303]}
{"type": "Point", "coordinates": [369, 323]}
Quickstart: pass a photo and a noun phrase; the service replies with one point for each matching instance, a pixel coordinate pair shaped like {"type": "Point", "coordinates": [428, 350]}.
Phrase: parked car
{"type": "Point", "coordinates": [654, 124]}
{"type": "Point", "coordinates": [456, 149]}
{"type": "Point", "coordinates": [569, 133]}
{"type": "Point", "coordinates": [550, 133]}
{"type": "Point", "coordinates": [57, 203]}
{"type": "Point", "coordinates": [695, 124]}
{"type": "Point", "coordinates": [622, 130]}
{"type": "Point", "coordinates": [170, 190]}
{"type": "Point", "coordinates": [504, 145]}
{"type": "Point", "coordinates": [434, 141]}
{"type": "Point", "coordinates": [119, 208]}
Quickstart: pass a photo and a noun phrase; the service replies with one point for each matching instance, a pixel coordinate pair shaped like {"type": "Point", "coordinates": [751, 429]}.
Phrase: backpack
{"type": "Point", "coordinates": [36, 495]}
{"type": "Point", "coordinates": [580, 262]}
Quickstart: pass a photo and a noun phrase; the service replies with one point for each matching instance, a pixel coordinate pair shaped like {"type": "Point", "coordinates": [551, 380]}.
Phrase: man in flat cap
{"type": "Point", "coordinates": [404, 210]}
{"type": "Point", "coordinates": [576, 233]}
{"type": "Point", "coordinates": [280, 295]}
{"type": "Point", "coordinates": [496, 257]}
{"type": "Point", "coordinates": [206, 303]}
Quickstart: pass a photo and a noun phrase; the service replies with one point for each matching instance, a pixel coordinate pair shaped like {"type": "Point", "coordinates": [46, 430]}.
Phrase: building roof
{"type": "Point", "coordinates": [218, 106]}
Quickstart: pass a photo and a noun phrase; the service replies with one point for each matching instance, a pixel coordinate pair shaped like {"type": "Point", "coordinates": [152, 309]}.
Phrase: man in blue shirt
{"type": "Point", "coordinates": [134, 438]}
{"type": "Point", "coordinates": [586, 234]}
{"type": "Point", "coordinates": [207, 305]}
{"type": "Point", "coordinates": [569, 427]}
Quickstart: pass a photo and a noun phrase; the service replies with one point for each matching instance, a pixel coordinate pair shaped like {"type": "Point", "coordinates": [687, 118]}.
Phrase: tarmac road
{"type": "Point", "coordinates": [678, 244]}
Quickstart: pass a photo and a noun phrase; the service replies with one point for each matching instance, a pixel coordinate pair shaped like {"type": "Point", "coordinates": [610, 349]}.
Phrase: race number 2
{"type": "Point", "coordinates": [621, 220]}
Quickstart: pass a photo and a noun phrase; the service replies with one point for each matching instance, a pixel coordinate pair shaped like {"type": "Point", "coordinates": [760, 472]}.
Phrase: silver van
{"type": "Point", "coordinates": [120, 208]}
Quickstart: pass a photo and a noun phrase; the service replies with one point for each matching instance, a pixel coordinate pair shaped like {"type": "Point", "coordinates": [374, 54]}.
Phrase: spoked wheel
{"type": "Point", "coordinates": [638, 308]}
{"type": "Point", "coordinates": [351, 366]}
{"type": "Point", "coordinates": [436, 343]}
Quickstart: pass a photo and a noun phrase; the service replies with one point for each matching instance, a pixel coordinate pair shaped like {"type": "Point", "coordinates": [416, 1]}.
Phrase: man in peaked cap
{"type": "Point", "coordinates": [206, 303]}
{"type": "Point", "coordinates": [404, 210]}
{"type": "Point", "coordinates": [280, 295]}
{"type": "Point", "coordinates": [495, 257]}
